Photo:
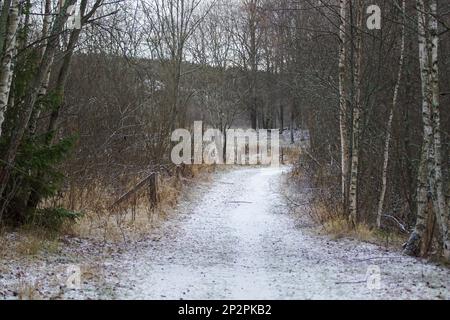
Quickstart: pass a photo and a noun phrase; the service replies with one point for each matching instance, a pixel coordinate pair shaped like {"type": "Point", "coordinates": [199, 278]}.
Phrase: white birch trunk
{"type": "Point", "coordinates": [387, 141]}
{"type": "Point", "coordinates": [29, 101]}
{"type": "Point", "coordinates": [6, 63]}
{"type": "Point", "coordinates": [437, 184]}
{"type": "Point", "coordinates": [343, 100]}
{"type": "Point", "coordinates": [353, 188]}
{"type": "Point", "coordinates": [44, 86]}
{"type": "Point", "coordinates": [413, 244]}
{"type": "Point", "coordinates": [5, 5]}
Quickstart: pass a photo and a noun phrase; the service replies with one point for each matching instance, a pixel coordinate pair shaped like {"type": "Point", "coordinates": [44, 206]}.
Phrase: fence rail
{"type": "Point", "coordinates": [151, 182]}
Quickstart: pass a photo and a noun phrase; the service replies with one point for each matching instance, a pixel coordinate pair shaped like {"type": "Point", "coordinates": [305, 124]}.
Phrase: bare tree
{"type": "Point", "coordinates": [343, 126]}
{"type": "Point", "coordinates": [357, 108]}
{"type": "Point", "coordinates": [170, 24]}
{"type": "Point", "coordinates": [6, 71]}
{"type": "Point", "coordinates": [387, 142]}
{"type": "Point", "coordinates": [31, 97]}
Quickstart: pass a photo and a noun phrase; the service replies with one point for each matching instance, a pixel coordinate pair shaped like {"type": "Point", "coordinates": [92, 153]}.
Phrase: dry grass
{"type": "Point", "coordinates": [30, 242]}
{"type": "Point", "coordinates": [29, 246]}
{"type": "Point", "coordinates": [132, 220]}
{"type": "Point", "coordinates": [27, 241]}
{"type": "Point", "coordinates": [135, 218]}
{"type": "Point", "coordinates": [340, 227]}
{"type": "Point", "coordinates": [323, 209]}
{"type": "Point", "coordinates": [337, 226]}
{"type": "Point", "coordinates": [28, 290]}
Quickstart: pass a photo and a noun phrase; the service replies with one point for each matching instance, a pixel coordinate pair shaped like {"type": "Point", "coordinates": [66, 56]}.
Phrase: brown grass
{"type": "Point", "coordinates": [31, 241]}
{"type": "Point", "coordinates": [134, 218]}
{"type": "Point", "coordinates": [337, 226]}
{"type": "Point", "coordinates": [28, 290]}
{"type": "Point", "coordinates": [324, 210]}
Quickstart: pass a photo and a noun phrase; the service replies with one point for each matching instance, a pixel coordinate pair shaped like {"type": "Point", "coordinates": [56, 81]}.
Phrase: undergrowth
{"type": "Point", "coordinates": [313, 199]}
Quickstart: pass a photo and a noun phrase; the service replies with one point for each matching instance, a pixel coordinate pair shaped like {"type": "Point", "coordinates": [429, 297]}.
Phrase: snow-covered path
{"type": "Point", "coordinates": [236, 241]}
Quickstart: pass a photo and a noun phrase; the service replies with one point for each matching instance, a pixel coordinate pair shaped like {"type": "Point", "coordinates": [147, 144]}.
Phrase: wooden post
{"type": "Point", "coordinates": [154, 190]}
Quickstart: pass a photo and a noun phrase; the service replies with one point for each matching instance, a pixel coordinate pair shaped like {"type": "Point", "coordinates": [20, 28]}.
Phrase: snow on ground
{"type": "Point", "coordinates": [235, 240]}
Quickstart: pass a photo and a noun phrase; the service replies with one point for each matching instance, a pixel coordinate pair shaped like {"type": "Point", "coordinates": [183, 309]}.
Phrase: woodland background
{"type": "Point", "coordinates": [85, 113]}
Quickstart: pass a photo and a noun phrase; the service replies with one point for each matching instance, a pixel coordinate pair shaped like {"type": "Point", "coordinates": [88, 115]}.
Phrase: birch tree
{"type": "Point", "coordinates": [60, 87]}
{"type": "Point", "coordinates": [68, 54]}
{"type": "Point", "coordinates": [343, 100]}
{"type": "Point", "coordinates": [28, 104]}
{"type": "Point", "coordinates": [387, 141]}
{"type": "Point", "coordinates": [437, 184]}
{"type": "Point", "coordinates": [430, 185]}
{"type": "Point", "coordinates": [353, 187]}
{"type": "Point", "coordinates": [412, 246]}
{"type": "Point", "coordinates": [251, 8]}
{"type": "Point", "coordinates": [6, 71]}
{"type": "Point", "coordinates": [44, 86]}
{"type": "Point", "coordinates": [3, 23]}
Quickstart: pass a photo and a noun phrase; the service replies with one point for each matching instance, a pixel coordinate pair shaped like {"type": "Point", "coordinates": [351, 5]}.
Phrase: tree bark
{"type": "Point", "coordinates": [353, 188]}
{"type": "Point", "coordinates": [4, 24]}
{"type": "Point", "coordinates": [29, 102]}
{"type": "Point", "coordinates": [63, 75]}
{"type": "Point", "coordinates": [437, 185]}
{"type": "Point", "coordinates": [6, 63]}
{"type": "Point", "coordinates": [413, 245]}
{"type": "Point", "coordinates": [345, 150]}
{"type": "Point", "coordinates": [44, 87]}
{"type": "Point", "coordinates": [387, 141]}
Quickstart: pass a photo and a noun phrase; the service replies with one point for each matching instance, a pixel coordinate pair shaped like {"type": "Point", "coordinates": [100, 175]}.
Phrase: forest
{"type": "Point", "coordinates": [91, 91]}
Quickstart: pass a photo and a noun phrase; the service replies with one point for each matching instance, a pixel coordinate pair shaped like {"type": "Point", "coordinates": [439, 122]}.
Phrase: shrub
{"type": "Point", "coordinates": [53, 219]}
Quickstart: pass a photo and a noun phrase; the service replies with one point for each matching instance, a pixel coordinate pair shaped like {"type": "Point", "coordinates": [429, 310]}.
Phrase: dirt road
{"type": "Point", "coordinates": [236, 241]}
{"type": "Point", "coordinates": [230, 238]}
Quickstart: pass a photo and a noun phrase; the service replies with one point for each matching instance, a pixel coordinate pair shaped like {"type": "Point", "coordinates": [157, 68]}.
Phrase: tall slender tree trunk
{"type": "Point", "coordinates": [27, 107]}
{"type": "Point", "coordinates": [6, 69]}
{"type": "Point", "coordinates": [409, 176]}
{"type": "Point", "coordinates": [62, 78]}
{"type": "Point", "coordinates": [253, 62]}
{"type": "Point", "coordinates": [437, 184]}
{"type": "Point", "coordinates": [446, 250]}
{"type": "Point", "coordinates": [291, 121]}
{"type": "Point", "coordinates": [343, 128]}
{"type": "Point", "coordinates": [25, 13]}
{"type": "Point", "coordinates": [281, 118]}
{"type": "Point", "coordinates": [35, 198]}
{"type": "Point", "coordinates": [353, 187]}
{"type": "Point", "coordinates": [413, 245]}
{"type": "Point", "coordinates": [44, 87]}
{"type": "Point", "coordinates": [4, 24]}
{"type": "Point", "coordinates": [387, 141]}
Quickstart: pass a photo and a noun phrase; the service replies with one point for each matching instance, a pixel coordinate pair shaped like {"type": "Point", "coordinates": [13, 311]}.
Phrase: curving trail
{"type": "Point", "coordinates": [236, 241]}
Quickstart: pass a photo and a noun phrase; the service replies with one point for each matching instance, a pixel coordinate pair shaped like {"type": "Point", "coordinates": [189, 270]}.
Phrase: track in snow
{"type": "Point", "coordinates": [236, 241]}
